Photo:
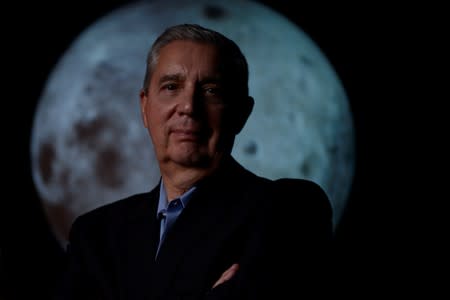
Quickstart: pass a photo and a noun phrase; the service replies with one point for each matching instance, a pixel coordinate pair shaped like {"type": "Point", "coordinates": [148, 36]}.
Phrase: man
{"type": "Point", "coordinates": [210, 229]}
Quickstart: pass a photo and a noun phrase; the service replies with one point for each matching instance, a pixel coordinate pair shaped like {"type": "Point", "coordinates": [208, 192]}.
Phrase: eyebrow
{"type": "Point", "coordinates": [180, 77]}
{"type": "Point", "coordinates": [171, 77]}
{"type": "Point", "coordinates": [211, 79]}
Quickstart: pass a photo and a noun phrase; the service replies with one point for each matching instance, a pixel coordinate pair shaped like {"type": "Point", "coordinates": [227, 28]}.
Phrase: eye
{"type": "Point", "coordinates": [169, 87]}
{"type": "Point", "coordinates": [211, 91]}
{"type": "Point", "coordinates": [213, 94]}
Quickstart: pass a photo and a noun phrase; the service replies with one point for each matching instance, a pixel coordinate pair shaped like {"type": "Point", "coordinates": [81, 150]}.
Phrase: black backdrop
{"type": "Point", "coordinates": [361, 44]}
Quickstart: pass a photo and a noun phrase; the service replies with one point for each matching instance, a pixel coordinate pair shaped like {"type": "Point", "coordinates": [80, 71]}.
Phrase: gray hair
{"type": "Point", "coordinates": [231, 55]}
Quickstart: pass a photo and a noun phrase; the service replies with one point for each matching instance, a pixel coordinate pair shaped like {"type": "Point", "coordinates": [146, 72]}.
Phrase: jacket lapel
{"type": "Point", "coordinates": [208, 209]}
{"type": "Point", "coordinates": [180, 240]}
{"type": "Point", "coordinates": [138, 243]}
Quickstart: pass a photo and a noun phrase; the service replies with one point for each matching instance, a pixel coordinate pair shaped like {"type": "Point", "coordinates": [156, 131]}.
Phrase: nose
{"type": "Point", "coordinates": [186, 107]}
{"type": "Point", "coordinates": [188, 102]}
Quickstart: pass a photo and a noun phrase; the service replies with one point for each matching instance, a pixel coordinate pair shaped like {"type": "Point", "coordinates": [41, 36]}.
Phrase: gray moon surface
{"type": "Point", "coordinates": [89, 146]}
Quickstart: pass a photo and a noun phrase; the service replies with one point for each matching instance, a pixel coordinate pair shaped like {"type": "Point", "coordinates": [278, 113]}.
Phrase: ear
{"type": "Point", "coordinates": [143, 95]}
{"type": "Point", "coordinates": [242, 112]}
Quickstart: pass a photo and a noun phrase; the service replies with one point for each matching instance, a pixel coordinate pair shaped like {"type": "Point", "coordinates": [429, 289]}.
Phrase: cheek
{"type": "Point", "coordinates": [216, 116]}
{"type": "Point", "coordinates": [220, 129]}
{"type": "Point", "coordinates": [155, 124]}
{"type": "Point", "coordinates": [156, 113]}
{"type": "Point", "coordinates": [220, 121]}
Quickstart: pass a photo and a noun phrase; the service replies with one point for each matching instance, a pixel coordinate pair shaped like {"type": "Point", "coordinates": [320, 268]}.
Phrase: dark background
{"type": "Point", "coordinates": [367, 46]}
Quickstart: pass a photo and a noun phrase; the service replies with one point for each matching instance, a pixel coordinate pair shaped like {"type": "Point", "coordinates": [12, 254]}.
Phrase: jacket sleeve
{"type": "Point", "coordinates": [290, 250]}
{"type": "Point", "coordinates": [82, 278]}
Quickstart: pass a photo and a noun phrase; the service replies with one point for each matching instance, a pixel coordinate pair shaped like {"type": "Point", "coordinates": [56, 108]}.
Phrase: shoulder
{"type": "Point", "coordinates": [301, 191]}
{"type": "Point", "coordinates": [291, 189]}
{"type": "Point", "coordinates": [115, 212]}
{"type": "Point", "coordinates": [117, 206]}
{"type": "Point", "coordinates": [305, 205]}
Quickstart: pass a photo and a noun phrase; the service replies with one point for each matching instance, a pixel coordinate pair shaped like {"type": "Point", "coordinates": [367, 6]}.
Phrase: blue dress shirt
{"type": "Point", "coordinates": [168, 212]}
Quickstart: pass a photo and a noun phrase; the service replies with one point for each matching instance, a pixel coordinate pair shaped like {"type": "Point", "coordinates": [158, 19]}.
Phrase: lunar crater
{"type": "Point", "coordinates": [215, 12]}
{"type": "Point", "coordinates": [251, 148]}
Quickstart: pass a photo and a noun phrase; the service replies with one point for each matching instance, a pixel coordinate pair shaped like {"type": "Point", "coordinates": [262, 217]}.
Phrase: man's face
{"type": "Point", "coordinates": [184, 108]}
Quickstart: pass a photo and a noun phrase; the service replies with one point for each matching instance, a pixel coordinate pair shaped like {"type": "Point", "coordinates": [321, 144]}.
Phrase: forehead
{"type": "Point", "coordinates": [178, 47]}
{"type": "Point", "coordinates": [183, 56]}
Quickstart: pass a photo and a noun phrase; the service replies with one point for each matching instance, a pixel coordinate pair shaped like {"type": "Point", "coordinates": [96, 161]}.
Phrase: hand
{"type": "Point", "coordinates": [227, 275]}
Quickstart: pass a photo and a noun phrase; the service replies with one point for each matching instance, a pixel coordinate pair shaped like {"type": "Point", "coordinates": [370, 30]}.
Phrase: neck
{"type": "Point", "coordinates": [179, 179]}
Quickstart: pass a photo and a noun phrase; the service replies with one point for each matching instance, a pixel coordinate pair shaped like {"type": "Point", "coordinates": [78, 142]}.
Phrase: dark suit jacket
{"type": "Point", "coordinates": [271, 228]}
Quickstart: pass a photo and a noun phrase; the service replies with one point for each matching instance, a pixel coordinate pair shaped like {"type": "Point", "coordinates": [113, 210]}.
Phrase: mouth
{"type": "Point", "coordinates": [186, 135]}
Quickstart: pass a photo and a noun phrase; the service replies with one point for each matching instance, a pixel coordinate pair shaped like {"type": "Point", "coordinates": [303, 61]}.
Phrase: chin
{"type": "Point", "coordinates": [190, 155]}
{"type": "Point", "coordinates": [193, 159]}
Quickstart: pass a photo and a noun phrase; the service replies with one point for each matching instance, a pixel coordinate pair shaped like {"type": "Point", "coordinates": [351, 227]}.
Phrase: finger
{"type": "Point", "coordinates": [227, 275]}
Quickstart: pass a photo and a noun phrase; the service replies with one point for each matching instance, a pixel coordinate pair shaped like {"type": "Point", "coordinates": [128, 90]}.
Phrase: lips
{"type": "Point", "coordinates": [186, 134]}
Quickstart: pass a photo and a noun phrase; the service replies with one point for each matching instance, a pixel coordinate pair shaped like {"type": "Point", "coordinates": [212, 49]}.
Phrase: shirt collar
{"type": "Point", "coordinates": [163, 203]}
